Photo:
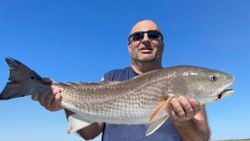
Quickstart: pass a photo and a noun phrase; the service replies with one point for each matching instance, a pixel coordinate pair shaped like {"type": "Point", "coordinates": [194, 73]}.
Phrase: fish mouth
{"type": "Point", "coordinates": [226, 92]}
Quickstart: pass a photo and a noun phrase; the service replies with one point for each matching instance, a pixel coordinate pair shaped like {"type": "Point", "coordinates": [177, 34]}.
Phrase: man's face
{"type": "Point", "coordinates": [145, 42]}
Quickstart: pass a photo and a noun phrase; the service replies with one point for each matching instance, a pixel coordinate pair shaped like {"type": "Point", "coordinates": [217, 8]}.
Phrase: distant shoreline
{"type": "Point", "coordinates": [235, 140]}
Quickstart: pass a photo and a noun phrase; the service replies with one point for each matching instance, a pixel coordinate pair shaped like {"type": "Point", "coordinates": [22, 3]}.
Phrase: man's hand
{"type": "Point", "coordinates": [189, 118]}
{"type": "Point", "coordinates": [183, 109]}
{"type": "Point", "coordinates": [49, 99]}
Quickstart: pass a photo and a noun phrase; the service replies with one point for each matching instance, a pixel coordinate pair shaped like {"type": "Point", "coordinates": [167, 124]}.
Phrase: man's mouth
{"type": "Point", "coordinates": [146, 50]}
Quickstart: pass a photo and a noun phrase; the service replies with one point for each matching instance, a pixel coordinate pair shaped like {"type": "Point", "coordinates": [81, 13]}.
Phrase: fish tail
{"type": "Point", "coordinates": [21, 80]}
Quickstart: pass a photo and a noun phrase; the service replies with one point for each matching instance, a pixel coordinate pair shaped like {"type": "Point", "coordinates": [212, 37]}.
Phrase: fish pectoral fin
{"type": "Point", "coordinates": [153, 126]}
{"type": "Point", "coordinates": [156, 120]}
{"type": "Point", "coordinates": [75, 123]}
{"type": "Point", "coordinates": [161, 106]}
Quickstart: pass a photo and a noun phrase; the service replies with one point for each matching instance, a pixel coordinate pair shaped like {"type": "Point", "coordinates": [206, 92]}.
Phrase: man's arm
{"type": "Point", "coordinates": [51, 99]}
{"type": "Point", "coordinates": [190, 119]}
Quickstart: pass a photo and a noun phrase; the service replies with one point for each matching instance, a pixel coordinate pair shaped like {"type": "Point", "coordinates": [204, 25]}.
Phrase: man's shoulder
{"type": "Point", "coordinates": [118, 74]}
{"type": "Point", "coordinates": [118, 70]}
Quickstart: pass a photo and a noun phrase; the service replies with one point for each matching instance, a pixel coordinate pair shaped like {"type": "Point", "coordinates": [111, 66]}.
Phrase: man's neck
{"type": "Point", "coordinates": [143, 67]}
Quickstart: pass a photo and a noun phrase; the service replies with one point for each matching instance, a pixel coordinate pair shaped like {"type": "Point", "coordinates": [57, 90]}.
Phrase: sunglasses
{"type": "Point", "coordinates": [152, 34]}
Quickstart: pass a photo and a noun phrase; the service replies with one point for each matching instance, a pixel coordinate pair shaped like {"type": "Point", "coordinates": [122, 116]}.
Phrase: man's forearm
{"type": "Point", "coordinates": [193, 130]}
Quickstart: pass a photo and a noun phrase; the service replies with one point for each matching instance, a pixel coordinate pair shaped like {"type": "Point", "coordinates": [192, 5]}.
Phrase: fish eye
{"type": "Point", "coordinates": [213, 77]}
{"type": "Point", "coordinates": [32, 77]}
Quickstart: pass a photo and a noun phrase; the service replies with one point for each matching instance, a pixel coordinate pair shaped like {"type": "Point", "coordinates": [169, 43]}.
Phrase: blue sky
{"type": "Point", "coordinates": [80, 40]}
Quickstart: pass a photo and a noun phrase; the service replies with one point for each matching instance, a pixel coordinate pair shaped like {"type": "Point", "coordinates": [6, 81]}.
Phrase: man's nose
{"type": "Point", "coordinates": [145, 38]}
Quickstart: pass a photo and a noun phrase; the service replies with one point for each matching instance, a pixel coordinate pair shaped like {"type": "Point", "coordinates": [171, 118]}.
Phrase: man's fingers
{"type": "Point", "coordinates": [48, 100]}
{"type": "Point", "coordinates": [174, 115]}
{"type": "Point", "coordinates": [55, 105]}
{"type": "Point", "coordinates": [55, 101]}
{"type": "Point", "coordinates": [41, 98]}
{"type": "Point", "coordinates": [58, 97]}
{"type": "Point", "coordinates": [196, 105]}
{"type": "Point", "coordinates": [35, 97]}
{"type": "Point", "coordinates": [55, 90]}
{"type": "Point", "coordinates": [186, 106]}
{"type": "Point", "coordinates": [182, 109]}
{"type": "Point", "coordinates": [176, 106]}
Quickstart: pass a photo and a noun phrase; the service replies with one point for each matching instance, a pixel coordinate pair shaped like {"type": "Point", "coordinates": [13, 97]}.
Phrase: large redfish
{"type": "Point", "coordinates": [140, 100]}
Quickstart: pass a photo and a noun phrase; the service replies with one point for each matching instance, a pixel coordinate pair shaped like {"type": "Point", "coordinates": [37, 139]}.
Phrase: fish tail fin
{"type": "Point", "coordinates": [21, 80]}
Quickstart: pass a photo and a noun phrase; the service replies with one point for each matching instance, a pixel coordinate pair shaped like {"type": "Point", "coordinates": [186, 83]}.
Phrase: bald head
{"type": "Point", "coordinates": [144, 25]}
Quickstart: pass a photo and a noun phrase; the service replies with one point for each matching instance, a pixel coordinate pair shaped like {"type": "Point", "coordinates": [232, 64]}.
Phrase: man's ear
{"type": "Point", "coordinates": [129, 48]}
{"type": "Point", "coordinates": [129, 43]}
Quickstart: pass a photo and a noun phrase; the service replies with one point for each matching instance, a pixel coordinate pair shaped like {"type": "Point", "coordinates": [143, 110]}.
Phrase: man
{"type": "Point", "coordinates": [187, 122]}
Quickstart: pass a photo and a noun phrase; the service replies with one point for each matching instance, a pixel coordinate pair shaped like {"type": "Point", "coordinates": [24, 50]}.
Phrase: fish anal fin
{"type": "Point", "coordinates": [161, 106]}
{"type": "Point", "coordinates": [76, 122]}
{"type": "Point", "coordinates": [153, 126]}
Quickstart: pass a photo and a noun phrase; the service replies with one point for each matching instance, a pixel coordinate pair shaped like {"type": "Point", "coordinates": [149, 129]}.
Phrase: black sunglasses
{"type": "Point", "coordinates": [152, 34]}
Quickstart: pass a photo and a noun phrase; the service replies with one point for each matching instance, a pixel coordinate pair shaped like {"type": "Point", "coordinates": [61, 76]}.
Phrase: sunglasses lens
{"type": "Point", "coordinates": [153, 34]}
{"type": "Point", "coordinates": [138, 36]}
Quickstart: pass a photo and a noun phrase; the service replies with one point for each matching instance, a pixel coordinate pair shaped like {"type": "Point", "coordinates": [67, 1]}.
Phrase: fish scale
{"type": "Point", "coordinates": [121, 107]}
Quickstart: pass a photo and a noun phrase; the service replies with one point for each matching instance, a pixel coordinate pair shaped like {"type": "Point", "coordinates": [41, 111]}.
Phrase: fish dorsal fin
{"type": "Point", "coordinates": [76, 122]}
{"type": "Point", "coordinates": [153, 126]}
{"type": "Point", "coordinates": [161, 106]}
